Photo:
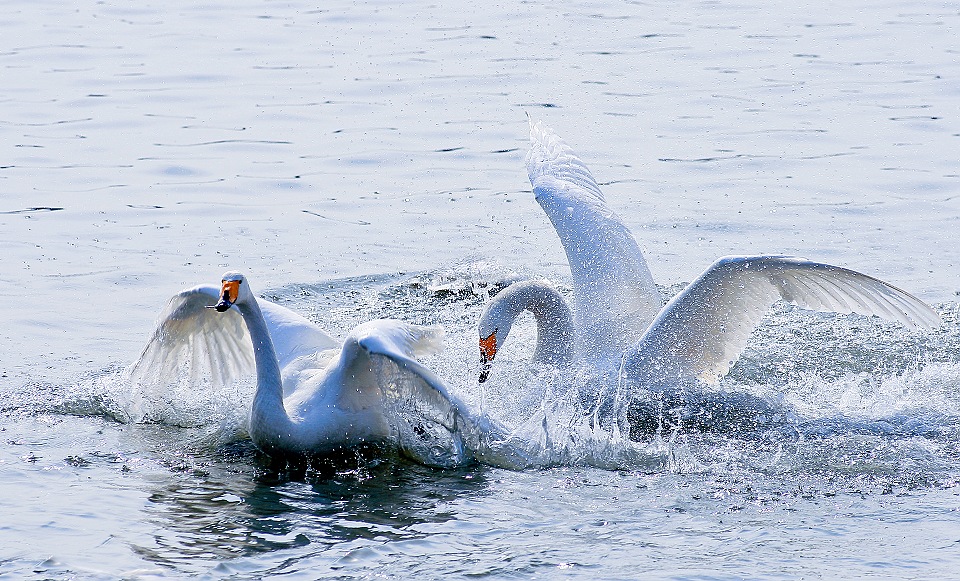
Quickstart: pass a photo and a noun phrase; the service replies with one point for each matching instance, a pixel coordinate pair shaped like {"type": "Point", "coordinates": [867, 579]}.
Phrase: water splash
{"type": "Point", "coordinates": [843, 397]}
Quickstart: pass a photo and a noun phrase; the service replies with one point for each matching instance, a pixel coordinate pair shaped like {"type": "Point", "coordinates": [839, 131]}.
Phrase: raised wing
{"type": "Point", "coordinates": [702, 331]}
{"type": "Point", "coordinates": [427, 423]}
{"type": "Point", "coordinates": [191, 341]}
{"type": "Point", "coordinates": [615, 296]}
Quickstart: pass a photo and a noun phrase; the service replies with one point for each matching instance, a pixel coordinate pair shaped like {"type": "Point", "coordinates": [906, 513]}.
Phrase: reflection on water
{"type": "Point", "coordinates": [218, 514]}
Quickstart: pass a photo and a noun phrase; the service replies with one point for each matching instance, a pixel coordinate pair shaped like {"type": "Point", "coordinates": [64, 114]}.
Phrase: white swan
{"type": "Point", "coordinates": [702, 331]}
{"type": "Point", "coordinates": [313, 396]}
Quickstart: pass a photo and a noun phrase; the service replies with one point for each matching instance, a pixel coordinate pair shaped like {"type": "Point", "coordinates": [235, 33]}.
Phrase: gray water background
{"type": "Point", "coordinates": [149, 148]}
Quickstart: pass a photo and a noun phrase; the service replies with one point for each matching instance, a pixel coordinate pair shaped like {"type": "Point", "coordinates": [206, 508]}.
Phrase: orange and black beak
{"type": "Point", "coordinates": [488, 350]}
{"type": "Point", "coordinates": [228, 295]}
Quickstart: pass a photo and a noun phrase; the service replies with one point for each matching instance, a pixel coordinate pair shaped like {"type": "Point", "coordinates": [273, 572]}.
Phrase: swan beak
{"type": "Point", "coordinates": [488, 350]}
{"type": "Point", "coordinates": [228, 295]}
{"type": "Point", "coordinates": [485, 370]}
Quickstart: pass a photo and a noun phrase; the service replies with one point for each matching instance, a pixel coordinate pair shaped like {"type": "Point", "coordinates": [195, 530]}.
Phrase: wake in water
{"type": "Point", "coordinates": [842, 396]}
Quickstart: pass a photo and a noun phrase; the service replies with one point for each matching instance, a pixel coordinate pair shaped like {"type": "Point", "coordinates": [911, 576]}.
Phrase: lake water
{"type": "Point", "coordinates": [363, 160]}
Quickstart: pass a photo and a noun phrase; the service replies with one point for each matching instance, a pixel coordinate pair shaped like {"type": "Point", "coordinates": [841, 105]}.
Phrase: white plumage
{"type": "Point", "coordinates": [701, 332]}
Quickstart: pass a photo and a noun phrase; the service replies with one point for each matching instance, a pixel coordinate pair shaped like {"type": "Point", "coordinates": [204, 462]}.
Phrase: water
{"type": "Point", "coordinates": [365, 160]}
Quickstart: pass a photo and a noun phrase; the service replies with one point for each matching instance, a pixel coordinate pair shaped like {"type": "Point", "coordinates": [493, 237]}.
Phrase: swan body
{"type": "Point", "coordinates": [313, 395]}
{"type": "Point", "coordinates": [700, 333]}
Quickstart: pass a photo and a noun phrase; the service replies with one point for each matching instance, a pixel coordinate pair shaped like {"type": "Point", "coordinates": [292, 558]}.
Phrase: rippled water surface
{"type": "Point", "coordinates": [363, 160]}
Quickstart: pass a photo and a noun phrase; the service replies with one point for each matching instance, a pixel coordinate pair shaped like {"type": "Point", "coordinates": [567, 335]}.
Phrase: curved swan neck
{"type": "Point", "coordinates": [555, 332]}
{"type": "Point", "coordinates": [267, 410]}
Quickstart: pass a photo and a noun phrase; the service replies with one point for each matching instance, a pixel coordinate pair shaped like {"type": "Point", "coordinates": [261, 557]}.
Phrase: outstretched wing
{"type": "Point", "coordinates": [615, 296]}
{"type": "Point", "coordinates": [191, 341]}
{"type": "Point", "coordinates": [702, 331]}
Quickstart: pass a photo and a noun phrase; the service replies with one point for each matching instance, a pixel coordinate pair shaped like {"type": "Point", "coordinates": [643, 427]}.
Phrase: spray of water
{"type": "Point", "coordinates": [841, 396]}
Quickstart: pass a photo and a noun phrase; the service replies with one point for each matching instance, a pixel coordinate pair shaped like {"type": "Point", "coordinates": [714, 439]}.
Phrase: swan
{"type": "Point", "coordinates": [700, 333]}
{"type": "Point", "coordinates": [313, 395]}
{"type": "Point", "coordinates": [703, 330]}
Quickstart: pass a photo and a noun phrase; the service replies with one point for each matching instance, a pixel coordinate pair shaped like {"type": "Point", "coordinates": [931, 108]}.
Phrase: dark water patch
{"type": "Point", "coordinates": [916, 118]}
{"type": "Point", "coordinates": [629, 95]}
{"type": "Point", "coordinates": [363, 495]}
{"type": "Point", "coordinates": [33, 210]}
{"type": "Point", "coordinates": [714, 158]}
{"type": "Point", "coordinates": [364, 130]}
{"type": "Point", "coordinates": [354, 222]}
{"type": "Point", "coordinates": [225, 142]}
{"type": "Point", "coordinates": [53, 123]}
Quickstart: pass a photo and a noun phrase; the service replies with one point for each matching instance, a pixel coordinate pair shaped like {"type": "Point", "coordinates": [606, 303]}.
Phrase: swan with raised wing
{"type": "Point", "coordinates": [313, 395]}
{"type": "Point", "coordinates": [617, 318]}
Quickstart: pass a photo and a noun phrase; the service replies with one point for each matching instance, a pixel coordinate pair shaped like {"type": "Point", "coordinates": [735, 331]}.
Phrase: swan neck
{"type": "Point", "coordinates": [267, 410]}
{"type": "Point", "coordinates": [555, 335]}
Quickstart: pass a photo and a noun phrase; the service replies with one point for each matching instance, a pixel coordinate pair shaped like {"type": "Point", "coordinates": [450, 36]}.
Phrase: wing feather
{"type": "Point", "coordinates": [191, 341]}
{"type": "Point", "coordinates": [427, 422]}
{"type": "Point", "coordinates": [614, 293]}
{"type": "Point", "coordinates": [704, 329]}
{"type": "Point", "coordinates": [551, 156]}
{"type": "Point", "coordinates": [401, 342]}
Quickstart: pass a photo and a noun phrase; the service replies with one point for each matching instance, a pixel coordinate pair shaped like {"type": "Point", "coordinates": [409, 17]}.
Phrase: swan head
{"type": "Point", "coordinates": [233, 287]}
{"type": "Point", "coordinates": [488, 350]}
{"type": "Point", "coordinates": [494, 326]}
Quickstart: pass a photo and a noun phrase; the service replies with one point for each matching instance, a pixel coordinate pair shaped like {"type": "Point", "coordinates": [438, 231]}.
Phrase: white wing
{"type": "Point", "coordinates": [702, 331]}
{"type": "Point", "coordinates": [293, 335]}
{"type": "Point", "coordinates": [191, 340]}
{"type": "Point", "coordinates": [427, 423]}
{"type": "Point", "coordinates": [400, 343]}
{"type": "Point", "coordinates": [615, 296]}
